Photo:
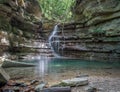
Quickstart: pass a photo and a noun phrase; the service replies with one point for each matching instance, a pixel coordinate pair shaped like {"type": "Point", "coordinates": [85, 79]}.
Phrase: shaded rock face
{"type": "Point", "coordinates": [17, 22]}
{"type": "Point", "coordinates": [96, 33]}
{"type": "Point", "coordinates": [96, 11]}
{"type": "Point", "coordinates": [32, 6]}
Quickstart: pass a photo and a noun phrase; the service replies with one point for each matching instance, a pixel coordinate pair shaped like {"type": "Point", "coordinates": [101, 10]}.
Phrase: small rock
{"type": "Point", "coordinates": [74, 82]}
{"type": "Point", "coordinates": [40, 87]}
{"type": "Point", "coordinates": [100, 89]}
{"type": "Point", "coordinates": [16, 89]}
{"type": "Point", "coordinates": [33, 82]}
{"type": "Point", "coordinates": [91, 89]}
{"type": "Point", "coordinates": [20, 84]}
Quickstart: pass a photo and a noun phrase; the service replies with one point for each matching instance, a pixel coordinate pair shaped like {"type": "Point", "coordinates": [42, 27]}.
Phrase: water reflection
{"type": "Point", "coordinates": [42, 66]}
{"type": "Point", "coordinates": [53, 67]}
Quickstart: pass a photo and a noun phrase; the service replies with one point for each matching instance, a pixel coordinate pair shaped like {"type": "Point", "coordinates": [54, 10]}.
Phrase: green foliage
{"type": "Point", "coordinates": [57, 10]}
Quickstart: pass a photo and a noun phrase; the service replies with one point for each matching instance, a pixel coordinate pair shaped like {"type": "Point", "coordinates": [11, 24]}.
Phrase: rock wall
{"type": "Point", "coordinates": [19, 21]}
{"type": "Point", "coordinates": [96, 32]}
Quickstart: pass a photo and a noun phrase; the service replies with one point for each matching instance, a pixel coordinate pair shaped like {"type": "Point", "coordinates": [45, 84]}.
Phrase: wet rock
{"type": "Point", "coordinates": [20, 84]}
{"type": "Point", "coordinates": [33, 82]}
{"type": "Point", "coordinates": [40, 87]}
{"type": "Point", "coordinates": [16, 89]}
{"type": "Point", "coordinates": [91, 89]}
{"type": "Point", "coordinates": [4, 77]}
{"type": "Point", "coordinates": [74, 82]}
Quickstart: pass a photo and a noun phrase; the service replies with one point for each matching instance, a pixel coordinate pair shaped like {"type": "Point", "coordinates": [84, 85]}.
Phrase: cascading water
{"type": "Point", "coordinates": [54, 41]}
{"type": "Point", "coordinates": [63, 35]}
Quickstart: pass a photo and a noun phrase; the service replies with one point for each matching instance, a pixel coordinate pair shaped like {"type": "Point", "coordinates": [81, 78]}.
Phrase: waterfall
{"type": "Point", "coordinates": [54, 41]}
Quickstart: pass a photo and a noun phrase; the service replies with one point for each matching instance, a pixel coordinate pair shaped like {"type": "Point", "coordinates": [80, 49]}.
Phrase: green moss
{"type": "Point", "coordinates": [98, 32]}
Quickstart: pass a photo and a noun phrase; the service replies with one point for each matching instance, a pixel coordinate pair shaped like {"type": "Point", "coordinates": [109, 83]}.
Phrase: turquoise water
{"type": "Point", "coordinates": [56, 65]}
{"type": "Point", "coordinates": [76, 63]}
{"type": "Point", "coordinates": [56, 69]}
{"type": "Point", "coordinates": [73, 63]}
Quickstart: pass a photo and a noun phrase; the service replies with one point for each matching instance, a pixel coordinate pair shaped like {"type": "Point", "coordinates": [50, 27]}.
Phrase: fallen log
{"type": "Point", "coordinates": [9, 63]}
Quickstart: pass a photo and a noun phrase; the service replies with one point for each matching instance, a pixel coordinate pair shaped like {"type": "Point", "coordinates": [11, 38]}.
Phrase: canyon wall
{"type": "Point", "coordinates": [95, 34]}
{"type": "Point", "coordinates": [20, 21]}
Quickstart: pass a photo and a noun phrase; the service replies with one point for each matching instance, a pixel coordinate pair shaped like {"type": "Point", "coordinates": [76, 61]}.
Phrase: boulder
{"type": "Point", "coordinates": [4, 77]}
{"type": "Point", "coordinates": [73, 82]}
{"type": "Point", "coordinates": [40, 87]}
{"type": "Point", "coordinates": [76, 82]}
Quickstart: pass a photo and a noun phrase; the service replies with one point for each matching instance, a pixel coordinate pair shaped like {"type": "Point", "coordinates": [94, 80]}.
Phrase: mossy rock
{"type": "Point", "coordinates": [98, 33]}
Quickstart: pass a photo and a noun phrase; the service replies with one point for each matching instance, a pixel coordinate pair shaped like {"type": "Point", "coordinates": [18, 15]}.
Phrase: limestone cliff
{"type": "Point", "coordinates": [95, 33]}
{"type": "Point", "coordinates": [19, 21]}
